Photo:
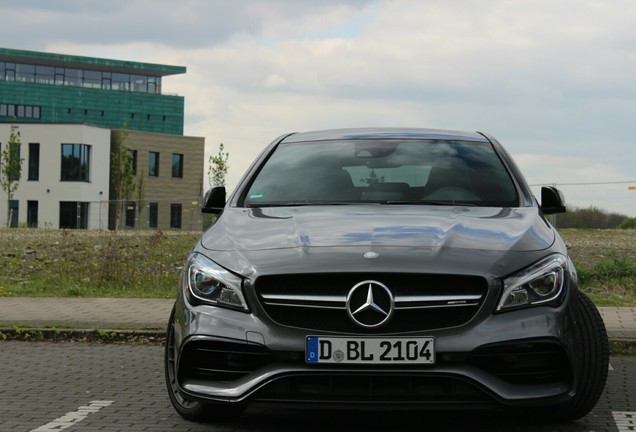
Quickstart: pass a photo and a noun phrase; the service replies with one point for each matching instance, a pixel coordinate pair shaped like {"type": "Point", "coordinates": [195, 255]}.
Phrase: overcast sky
{"type": "Point", "coordinates": [554, 81]}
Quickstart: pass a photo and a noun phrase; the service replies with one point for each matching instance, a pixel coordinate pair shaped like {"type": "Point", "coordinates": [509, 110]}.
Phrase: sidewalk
{"type": "Point", "coordinates": [151, 315]}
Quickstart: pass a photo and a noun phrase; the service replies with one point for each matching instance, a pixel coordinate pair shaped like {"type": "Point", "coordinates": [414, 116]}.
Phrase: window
{"type": "Point", "coordinates": [175, 215]}
{"type": "Point", "coordinates": [9, 71]}
{"type": "Point", "coordinates": [87, 78]}
{"type": "Point", "coordinates": [133, 161]}
{"type": "Point", "coordinates": [384, 170]}
{"type": "Point", "coordinates": [14, 156]}
{"type": "Point", "coordinates": [73, 77]}
{"type": "Point", "coordinates": [32, 214]}
{"type": "Point", "coordinates": [73, 215]}
{"type": "Point", "coordinates": [130, 213]}
{"type": "Point", "coordinates": [92, 79]}
{"type": "Point", "coordinates": [153, 164]}
{"type": "Point", "coordinates": [153, 213]}
{"type": "Point", "coordinates": [34, 162]}
{"type": "Point", "coordinates": [14, 213]}
{"type": "Point", "coordinates": [45, 74]}
{"type": "Point", "coordinates": [76, 162]}
{"type": "Point", "coordinates": [177, 165]}
{"type": "Point", "coordinates": [24, 72]}
{"type": "Point", "coordinates": [20, 111]}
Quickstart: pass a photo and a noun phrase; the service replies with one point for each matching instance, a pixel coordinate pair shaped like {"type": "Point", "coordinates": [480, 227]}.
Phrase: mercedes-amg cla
{"type": "Point", "coordinates": [384, 268]}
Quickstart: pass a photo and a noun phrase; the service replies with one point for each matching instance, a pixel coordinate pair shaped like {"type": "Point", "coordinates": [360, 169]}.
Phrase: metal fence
{"type": "Point", "coordinates": [185, 212]}
{"type": "Point", "coordinates": [610, 197]}
{"type": "Point", "coordinates": [165, 213]}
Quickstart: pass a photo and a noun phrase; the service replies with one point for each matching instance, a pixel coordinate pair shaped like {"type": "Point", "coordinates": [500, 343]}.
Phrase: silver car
{"type": "Point", "coordinates": [384, 269]}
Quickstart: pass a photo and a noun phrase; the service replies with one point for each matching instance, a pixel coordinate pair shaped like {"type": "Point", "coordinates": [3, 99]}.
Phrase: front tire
{"type": "Point", "coordinates": [592, 362]}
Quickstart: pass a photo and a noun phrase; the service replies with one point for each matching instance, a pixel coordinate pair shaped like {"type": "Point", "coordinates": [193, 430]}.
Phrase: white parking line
{"type": "Point", "coordinates": [69, 419]}
{"type": "Point", "coordinates": [625, 420]}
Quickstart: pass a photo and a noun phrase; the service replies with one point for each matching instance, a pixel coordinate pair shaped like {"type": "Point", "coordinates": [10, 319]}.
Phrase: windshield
{"type": "Point", "coordinates": [385, 172]}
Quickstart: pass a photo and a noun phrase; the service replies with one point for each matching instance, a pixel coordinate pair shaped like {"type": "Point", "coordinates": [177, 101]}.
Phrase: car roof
{"type": "Point", "coordinates": [384, 133]}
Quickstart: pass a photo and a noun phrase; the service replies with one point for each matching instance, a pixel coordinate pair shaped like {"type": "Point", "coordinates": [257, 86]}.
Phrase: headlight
{"type": "Point", "coordinates": [210, 283]}
{"type": "Point", "coordinates": [541, 283]}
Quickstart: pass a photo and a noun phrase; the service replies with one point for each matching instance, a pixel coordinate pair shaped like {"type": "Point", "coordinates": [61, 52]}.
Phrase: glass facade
{"type": "Point", "coordinates": [25, 72]}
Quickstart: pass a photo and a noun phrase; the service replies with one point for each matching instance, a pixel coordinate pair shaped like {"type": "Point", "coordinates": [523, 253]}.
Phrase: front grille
{"type": "Point", "coordinates": [317, 302]}
{"type": "Point", "coordinates": [365, 388]}
{"type": "Point", "coordinates": [528, 362]}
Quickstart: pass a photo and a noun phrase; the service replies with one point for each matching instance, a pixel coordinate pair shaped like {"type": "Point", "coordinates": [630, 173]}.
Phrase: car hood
{"type": "Point", "coordinates": [477, 228]}
{"type": "Point", "coordinates": [452, 240]}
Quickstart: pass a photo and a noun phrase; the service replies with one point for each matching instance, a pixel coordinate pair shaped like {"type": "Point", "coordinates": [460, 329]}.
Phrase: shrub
{"type": "Point", "coordinates": [628, 223]}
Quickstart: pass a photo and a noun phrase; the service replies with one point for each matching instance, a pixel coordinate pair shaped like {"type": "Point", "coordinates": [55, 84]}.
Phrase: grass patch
{"type": "Point", "coordinates": [605, 261]}
{"type": "Point", "coordinates": [147, 264]}
{"type": "Point", "coordinates": [610, 281]}
{"type": "Point", "coordinates": [61, 263]}
{"type": "Point", "coordinates": [621, 348]}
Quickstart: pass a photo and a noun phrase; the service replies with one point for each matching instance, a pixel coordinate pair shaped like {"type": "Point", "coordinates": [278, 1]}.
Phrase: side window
{"type": "Point", "coordinates": [153, 164]}
{"type": "Point", "coordinates": [175, 215]}
{"type": "Point", "coordinates": [177, 165]}
{"type": "Point", "coordinates": [34, 162]}
{"type": "Point", "coordinates": [76, 162]}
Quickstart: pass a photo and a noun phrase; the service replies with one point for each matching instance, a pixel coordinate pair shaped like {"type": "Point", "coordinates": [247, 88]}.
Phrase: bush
{"type": "Point", "coordinates": [628, 223]}
{"type": "Point", "coordinates": [590, 217]}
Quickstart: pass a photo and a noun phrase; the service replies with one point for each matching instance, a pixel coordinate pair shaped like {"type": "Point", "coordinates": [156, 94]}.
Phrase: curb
{"type": "Point", "coordinates": [83, 335]}
{"type": "Point", "coordinates": [139, 336]}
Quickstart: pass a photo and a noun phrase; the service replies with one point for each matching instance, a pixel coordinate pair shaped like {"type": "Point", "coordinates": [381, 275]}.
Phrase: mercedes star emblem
{"type": "Point", "coordinates": [370, 304]}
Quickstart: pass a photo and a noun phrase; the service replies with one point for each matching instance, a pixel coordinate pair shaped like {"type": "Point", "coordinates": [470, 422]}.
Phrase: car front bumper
{"type": "Point", "coordinates": [517, 358]}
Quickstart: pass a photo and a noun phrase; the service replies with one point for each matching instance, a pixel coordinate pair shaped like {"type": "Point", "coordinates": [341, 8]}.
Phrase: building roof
{"type": "Point", "coordinates": [94, 63]}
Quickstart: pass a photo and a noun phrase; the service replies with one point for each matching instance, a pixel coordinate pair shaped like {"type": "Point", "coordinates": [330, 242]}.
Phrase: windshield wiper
{"type": "Point", "coordinates": [299, 203]}
{"type": "Point", "coordinates": [431, 202]}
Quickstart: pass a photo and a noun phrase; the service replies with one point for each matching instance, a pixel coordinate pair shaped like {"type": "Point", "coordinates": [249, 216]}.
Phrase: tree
{"type": "Point", "coordinates": [123, 179]}
{"type": "Point", "coordinates": [218, 168]}
{"type": "Point", "coordinates": [11, 168]}
{"type": "Point", "coordinates": [373, 178]}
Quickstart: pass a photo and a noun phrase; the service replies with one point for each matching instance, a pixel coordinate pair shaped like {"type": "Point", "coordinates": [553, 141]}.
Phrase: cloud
{"type": "Point", "coordinates": [552, 80]}
{"type": "Point", "coordinates": [186, 24]}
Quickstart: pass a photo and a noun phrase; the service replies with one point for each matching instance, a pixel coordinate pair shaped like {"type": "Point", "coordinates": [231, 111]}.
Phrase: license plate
{"type": "Point", "coordinates": [370, 350]}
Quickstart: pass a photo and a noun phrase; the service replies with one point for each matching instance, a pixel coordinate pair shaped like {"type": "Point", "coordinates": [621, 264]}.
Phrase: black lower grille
{"type": "Point", "coordinates": [361, 388]}
{"type": "Point", "coordinates": [422, 301]}
{"type": "Point", "coordinates": [221, 361]}
{"type": "Point", "coordinates": [524, 362]}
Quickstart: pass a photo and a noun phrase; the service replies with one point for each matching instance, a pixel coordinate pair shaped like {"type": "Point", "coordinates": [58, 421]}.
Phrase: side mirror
{"type": "Point", "coordinates": [214, 200]}
{"type": "Point", "coordinates": [552, 200]}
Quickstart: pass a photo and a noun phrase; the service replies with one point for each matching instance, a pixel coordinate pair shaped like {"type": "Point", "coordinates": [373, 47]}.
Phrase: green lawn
{"type": "Point", "coordinates": [147, 264]}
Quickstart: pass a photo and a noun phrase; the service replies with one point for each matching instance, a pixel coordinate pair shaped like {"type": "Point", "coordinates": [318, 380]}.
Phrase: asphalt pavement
{"type": "Point", "coordinates": [151, 315]}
